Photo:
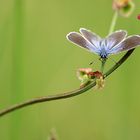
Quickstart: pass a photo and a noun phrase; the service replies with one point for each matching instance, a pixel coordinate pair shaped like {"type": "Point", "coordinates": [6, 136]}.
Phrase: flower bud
{"type": "Point", "coordinates": [82, 75]}
{"type": "Point", "coordinates": [124, 7]}
{"type": "Point", "coordinates": [100, 82]}
{"type": "Point", "coordinates": [86, 76]}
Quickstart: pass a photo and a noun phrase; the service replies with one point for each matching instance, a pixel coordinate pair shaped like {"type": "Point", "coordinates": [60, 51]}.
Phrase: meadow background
{"type": "Point", "coordinates": [37, 60]}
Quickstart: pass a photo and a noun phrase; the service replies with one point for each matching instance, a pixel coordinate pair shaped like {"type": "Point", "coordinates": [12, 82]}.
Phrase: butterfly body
{"type": "Point", "coordinates": [103, 54]}
{"type": "Point", "coordinates": [112, 44]}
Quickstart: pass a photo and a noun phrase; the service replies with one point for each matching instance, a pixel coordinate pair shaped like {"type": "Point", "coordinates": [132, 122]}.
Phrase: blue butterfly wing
{"type": "Point", "coordinates": [126, 45]}
{"type": "Point", "coordinates": [115, 38]}
{"type": "Point", "coordinates": [91, 37]}
{"type": "Point", "coordinates": [79, 40]}
{"type": "Point", "coordinates": [108, 43]}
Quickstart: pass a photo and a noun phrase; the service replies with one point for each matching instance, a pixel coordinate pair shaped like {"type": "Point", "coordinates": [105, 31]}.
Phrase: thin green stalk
{"type": "Point", "coordinates": [113, 22]}
{"type": "Point", "coordinates": [103, 61]}
{"type": "Point", "coordinates": [120, 62]}
{"type": "Point", "coordinates": [64, 95]}
{"type": "Point", "coordinates": [17, 73]}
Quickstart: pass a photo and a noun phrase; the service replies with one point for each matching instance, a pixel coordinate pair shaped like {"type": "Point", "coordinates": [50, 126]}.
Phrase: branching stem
{"type": "Point", "coordinates": [64, 95]}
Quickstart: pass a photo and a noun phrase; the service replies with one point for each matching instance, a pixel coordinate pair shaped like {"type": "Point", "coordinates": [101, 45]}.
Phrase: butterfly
{"type": "Point", "coordinates": [114, 43]}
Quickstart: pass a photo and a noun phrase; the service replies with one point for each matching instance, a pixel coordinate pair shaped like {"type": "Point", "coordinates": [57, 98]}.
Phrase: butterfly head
{"type": "Point", "coordinates": [103, 53]}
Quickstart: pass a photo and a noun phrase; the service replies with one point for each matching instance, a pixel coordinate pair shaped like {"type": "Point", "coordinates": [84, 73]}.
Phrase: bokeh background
{"type": "Point", "coordinates": [37, 60]}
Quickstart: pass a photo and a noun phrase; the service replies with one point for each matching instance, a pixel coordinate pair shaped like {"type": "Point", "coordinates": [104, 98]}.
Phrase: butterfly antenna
{"type": "Point", "coordinates": [112, 60]}
{"type": "Point", "coordinates": [92, 62]}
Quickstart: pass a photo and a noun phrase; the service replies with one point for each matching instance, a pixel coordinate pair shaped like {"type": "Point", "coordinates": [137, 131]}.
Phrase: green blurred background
{"type": "Point", "coordinates": [36, 60]}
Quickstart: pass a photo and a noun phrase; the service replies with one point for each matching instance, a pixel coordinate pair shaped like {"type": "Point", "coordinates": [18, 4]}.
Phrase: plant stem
{"type": "Point", "coordinates": [121, 61]}
{"type": "Point", "coordinates": [17, 84]}
{"type": "Point", "coordinates": [67, 94]}
{"type": "Point", "coordinates": [103, 61]}
{"type": "Point", "coordinates": [113, 22]}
